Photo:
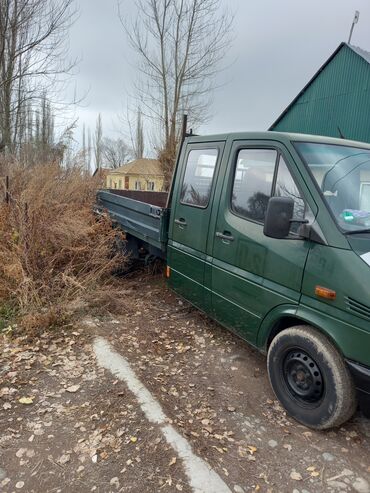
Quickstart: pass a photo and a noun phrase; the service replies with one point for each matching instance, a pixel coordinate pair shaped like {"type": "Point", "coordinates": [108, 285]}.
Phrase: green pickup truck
{"type": "Point", "coordinates": [269, 234]}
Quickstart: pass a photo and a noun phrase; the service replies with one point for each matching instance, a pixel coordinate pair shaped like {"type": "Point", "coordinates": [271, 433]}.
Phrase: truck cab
{"type": "Point", "coordinates": [269, 234]}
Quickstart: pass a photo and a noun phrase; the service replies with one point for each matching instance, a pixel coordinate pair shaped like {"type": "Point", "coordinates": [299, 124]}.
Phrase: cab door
{"type": "Point", "coordinates": [251, 273]}
{"type": "Point", "coordinates": [190, 217]}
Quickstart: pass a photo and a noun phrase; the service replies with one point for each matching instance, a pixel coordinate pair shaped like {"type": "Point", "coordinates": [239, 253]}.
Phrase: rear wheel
{"type": "Point", "coordinates": [310, 378]}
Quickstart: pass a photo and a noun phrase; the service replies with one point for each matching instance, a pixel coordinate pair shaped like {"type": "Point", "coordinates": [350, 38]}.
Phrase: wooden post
{"type": "Point", "coordinates": [7, 195]}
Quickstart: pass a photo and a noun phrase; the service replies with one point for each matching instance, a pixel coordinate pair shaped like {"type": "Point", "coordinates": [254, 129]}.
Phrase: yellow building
{"type": "Point", "coordinates": [141, 174]}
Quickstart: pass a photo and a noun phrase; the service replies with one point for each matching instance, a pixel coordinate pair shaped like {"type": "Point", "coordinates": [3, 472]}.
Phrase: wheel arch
{"type": "Point", "coordinates": [284, 317]}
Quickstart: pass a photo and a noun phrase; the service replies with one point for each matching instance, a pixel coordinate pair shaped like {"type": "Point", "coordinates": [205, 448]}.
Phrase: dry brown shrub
{"type": "Point", "coordinates": [36, 322]}
{"type": "Point", "coordinates": [53, 249]}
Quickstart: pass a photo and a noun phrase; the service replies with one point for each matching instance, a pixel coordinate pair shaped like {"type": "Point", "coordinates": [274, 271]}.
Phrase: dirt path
{"type": "Point", "coordinates": [84, 430]}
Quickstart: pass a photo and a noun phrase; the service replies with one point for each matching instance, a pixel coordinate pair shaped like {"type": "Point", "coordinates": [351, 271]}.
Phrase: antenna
{"type": "Point", "coordinates": [355, 21]}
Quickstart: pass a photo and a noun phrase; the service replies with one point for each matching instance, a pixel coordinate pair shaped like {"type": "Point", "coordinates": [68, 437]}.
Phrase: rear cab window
{"type": "Point", "coordinates": [199, 173]}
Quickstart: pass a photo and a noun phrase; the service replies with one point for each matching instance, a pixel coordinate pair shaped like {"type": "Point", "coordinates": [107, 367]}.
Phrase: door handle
{"type": "Point", "coordinates": [181, 222]}
{"type": "Point", "coordinates": [226, 235]}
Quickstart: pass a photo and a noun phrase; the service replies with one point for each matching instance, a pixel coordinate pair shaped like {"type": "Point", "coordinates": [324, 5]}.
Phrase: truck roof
{"type": "Point", "coordinates": [278, 136]}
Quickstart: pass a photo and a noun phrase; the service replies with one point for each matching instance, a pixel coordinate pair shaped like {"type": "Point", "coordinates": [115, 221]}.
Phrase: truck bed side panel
{"type": "Point", "coordinates": [142, 220]}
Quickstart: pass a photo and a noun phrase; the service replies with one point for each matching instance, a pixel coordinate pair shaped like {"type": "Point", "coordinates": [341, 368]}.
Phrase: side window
{"type": "Point", "coordinates": [254, 176]}
{"type": "Point", "coordinates": [286, 187]}
{"type": "Point", "coordinates": [365, 196]}
{"type": "Point", "coordinates": [197, 184]}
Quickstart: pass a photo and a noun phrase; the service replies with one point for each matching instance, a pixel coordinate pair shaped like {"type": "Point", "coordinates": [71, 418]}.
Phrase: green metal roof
{"type": "Point", "coordinates": [336, 101]}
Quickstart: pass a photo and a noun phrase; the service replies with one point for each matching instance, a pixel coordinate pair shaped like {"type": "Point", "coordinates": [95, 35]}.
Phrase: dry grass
{"type": "Point", "coordinates": [53, 249]}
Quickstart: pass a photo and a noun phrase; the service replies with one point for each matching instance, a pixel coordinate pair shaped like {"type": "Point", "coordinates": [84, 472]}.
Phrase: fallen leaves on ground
{"type": "Point", "coordinates": [73, 388]}
{"type": "Point", "coordinates": [296, 476]}
{"type": "Point", "coordinates": [26, 400]}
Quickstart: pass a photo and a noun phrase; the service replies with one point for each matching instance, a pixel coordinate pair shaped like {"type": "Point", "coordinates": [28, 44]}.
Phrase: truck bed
{"type": "Point", "coordinates": [141, 215]}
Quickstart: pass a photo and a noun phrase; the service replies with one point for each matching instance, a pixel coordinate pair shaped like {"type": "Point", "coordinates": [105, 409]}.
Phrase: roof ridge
{"type": "Point", "coordinates": [141, 166]}
{"type": "Point", "coordinates": [360, 51]}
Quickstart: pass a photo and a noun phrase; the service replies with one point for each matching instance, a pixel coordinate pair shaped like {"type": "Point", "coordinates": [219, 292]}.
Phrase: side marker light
{"type": "Point", "coordinates": [327, 293]}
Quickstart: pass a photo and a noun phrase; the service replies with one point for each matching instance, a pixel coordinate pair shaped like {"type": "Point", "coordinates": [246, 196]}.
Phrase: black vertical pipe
{"type": "Point", "coordinates": [184, 126]}
{"type": "Point", "coordinates": [181, 143]}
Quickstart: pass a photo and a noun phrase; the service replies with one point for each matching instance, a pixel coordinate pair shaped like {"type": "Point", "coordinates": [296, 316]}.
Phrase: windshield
{"type": "Point", "coordinates": [343, 175]}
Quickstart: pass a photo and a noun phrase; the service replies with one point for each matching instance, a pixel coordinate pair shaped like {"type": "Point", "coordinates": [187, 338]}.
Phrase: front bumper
{"type": "Point", "coordinates": [361, 377]}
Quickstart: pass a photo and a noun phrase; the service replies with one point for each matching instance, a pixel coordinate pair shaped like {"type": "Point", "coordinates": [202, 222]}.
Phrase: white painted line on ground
{"type": "Point", "coordinates": [202, 478]}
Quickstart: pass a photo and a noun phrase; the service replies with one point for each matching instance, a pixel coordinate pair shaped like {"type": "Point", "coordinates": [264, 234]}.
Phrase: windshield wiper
{"type": "Point", "coordinates": [357, 231]}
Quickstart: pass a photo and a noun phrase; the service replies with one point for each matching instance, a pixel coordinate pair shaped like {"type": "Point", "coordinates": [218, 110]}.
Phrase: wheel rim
{"type": "Point", "coordinates": [303, 378]}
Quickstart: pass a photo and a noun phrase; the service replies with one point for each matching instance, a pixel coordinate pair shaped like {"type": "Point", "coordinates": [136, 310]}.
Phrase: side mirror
{"type": "Point", "coordinates": [279, 216]}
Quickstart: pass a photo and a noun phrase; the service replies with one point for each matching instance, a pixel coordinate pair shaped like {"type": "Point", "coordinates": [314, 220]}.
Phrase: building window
{"type": "Point", "coordinates": [150, 186]}
{"type": "Point", "coordinates": [137, 185]}
{"type": "Point", "coordinates": [253, 180]}
{"type": "Point", "coordinates": [110, 183]}
{"type": "Point", "coordinates": [115, 184]}
{"type": "Point", "coordinates": [197, 184]}
{"type": "Point", "coordinates": [120, 184]}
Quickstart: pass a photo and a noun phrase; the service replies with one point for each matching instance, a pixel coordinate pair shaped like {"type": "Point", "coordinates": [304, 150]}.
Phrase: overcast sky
{"type": "Point", "coordinates": [278, 46]}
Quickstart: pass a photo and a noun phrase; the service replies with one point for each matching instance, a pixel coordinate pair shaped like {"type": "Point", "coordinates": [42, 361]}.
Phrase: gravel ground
{"type": "Point", "coordinates": [68, 425]}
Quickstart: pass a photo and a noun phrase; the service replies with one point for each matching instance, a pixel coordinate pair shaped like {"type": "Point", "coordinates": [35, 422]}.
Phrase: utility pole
{"type": "Point", "coordinates": [355, 21]}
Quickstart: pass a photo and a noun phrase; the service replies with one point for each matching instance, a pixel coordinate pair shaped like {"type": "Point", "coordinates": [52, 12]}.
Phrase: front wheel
{"type": "Point", "coordinates": [310, 378]}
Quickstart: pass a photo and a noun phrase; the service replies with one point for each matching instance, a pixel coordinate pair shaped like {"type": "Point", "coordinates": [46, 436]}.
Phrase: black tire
{"type": "Point", "coordinates": [310, 378]}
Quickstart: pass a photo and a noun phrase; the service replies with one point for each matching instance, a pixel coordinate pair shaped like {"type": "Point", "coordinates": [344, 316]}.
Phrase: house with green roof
{"type": "Point", "coordinates": [336, 101]}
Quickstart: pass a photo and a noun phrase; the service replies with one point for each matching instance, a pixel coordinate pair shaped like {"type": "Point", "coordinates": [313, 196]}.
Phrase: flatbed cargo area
{"type": "Point", "coordinates": [142, 215]}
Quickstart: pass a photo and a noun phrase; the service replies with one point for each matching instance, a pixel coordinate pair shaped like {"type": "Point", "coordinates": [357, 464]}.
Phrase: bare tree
{"type": "Point", "coordinates": [136, 131]}
{"type": "Point", "coordinates": [98, 142]}
{"type": "Point", "coordinates": [89, 148]}
{"type": "Point", "coordinates": [84, 150]}
{"type": "Point", "coordinates": [33, 59]}
{"type": "Point", "coordinates": [180, 46]}
{"type": "Point", "coordinates": [115, 152]}
{"type": "Point", "coordinates": [39, 141]}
